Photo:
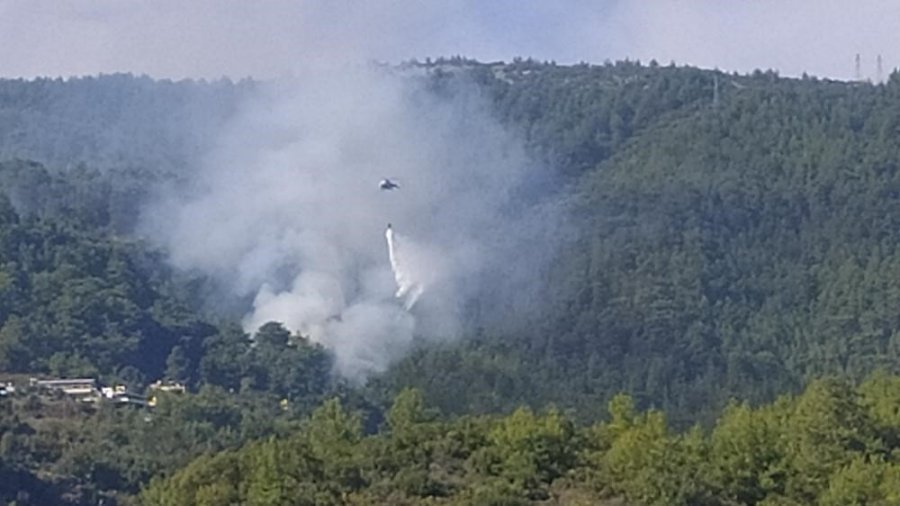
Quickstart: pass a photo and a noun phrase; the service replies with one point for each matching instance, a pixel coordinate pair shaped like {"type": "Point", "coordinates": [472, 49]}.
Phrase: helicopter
{"type": "Point", "coordinates": [387, 184]}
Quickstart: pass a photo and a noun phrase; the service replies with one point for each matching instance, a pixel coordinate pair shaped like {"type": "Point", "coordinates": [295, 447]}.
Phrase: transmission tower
{"type": "Point", "coordinates": [879, 70]}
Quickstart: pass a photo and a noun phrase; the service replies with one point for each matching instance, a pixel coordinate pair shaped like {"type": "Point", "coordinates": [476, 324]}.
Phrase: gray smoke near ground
{"type": "Point", "coordinates": [287, 211]}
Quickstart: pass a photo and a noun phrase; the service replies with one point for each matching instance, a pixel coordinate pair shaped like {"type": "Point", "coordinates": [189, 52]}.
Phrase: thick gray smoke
{"type": "Point", "coordinates": [287, 211]}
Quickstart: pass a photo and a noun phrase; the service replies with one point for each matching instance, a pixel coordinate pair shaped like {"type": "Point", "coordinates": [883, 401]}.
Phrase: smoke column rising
{"type": "Point", "coordinates": [286, 211]}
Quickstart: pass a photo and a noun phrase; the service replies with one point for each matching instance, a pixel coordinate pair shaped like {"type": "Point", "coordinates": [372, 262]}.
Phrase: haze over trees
{"type": "Point", "coordinates": [736, 239]}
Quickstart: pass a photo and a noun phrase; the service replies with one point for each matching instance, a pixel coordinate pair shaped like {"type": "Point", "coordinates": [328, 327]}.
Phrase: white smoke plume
{"type": "Point", "coordinates": [287, 211]}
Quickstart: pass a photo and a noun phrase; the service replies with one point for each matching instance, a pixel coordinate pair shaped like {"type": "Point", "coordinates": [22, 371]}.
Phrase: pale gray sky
{"type": "Point", "coordinates": [265, 38]}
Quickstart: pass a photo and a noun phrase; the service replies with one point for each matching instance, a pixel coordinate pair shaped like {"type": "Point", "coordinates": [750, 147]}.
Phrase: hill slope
{"type": "Point", "coordinates": [738, 236]}
{"type": "Point", "coordinates": [736, 233]}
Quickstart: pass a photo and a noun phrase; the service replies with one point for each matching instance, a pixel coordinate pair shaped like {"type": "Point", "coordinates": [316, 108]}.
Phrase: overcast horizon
{"type": "Point", "coordinates": [216, 38]}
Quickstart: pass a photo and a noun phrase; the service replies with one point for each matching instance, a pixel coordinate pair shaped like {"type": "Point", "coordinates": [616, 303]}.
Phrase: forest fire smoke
{"type": "Point", "coordinates": [290, 211]}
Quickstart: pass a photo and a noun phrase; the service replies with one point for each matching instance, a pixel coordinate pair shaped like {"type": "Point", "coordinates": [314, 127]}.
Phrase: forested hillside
{"type": "Point", "coordinates": [735, 237]}
{"type": "Point", "coordinates": [832, 445]}
{"type": "Point", "coordinates": [738, 236]}
{"type": "Point", "coordinates": [114, 121]}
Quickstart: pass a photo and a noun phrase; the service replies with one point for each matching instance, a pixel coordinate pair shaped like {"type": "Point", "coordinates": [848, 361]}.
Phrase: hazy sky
{"type": "Point", "coordinates": [264, 38]}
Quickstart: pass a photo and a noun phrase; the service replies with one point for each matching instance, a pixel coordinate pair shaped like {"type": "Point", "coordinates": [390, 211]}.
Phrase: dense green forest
{"type": "Point", "coordinates": [832, 445]}
{"type": "Point", "coordinates": [115, 121]}
{"type": "Point", "coordinates": [736, 239]}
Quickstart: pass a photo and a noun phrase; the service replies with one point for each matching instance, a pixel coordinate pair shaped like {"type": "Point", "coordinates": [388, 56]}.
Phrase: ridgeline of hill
{"type": "Point", "coordinates": [737, 237]}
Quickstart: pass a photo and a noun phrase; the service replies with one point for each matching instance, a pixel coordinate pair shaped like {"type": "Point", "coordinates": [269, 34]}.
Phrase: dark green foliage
{"type": "Point", "coordinates": [816, 448]}
{"type": "Point", "coordinates": [75, 302]}
{"type": "Point", "coordinates": [275, 361]}
{"type": "Point", "coordinates": [740, 247]}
